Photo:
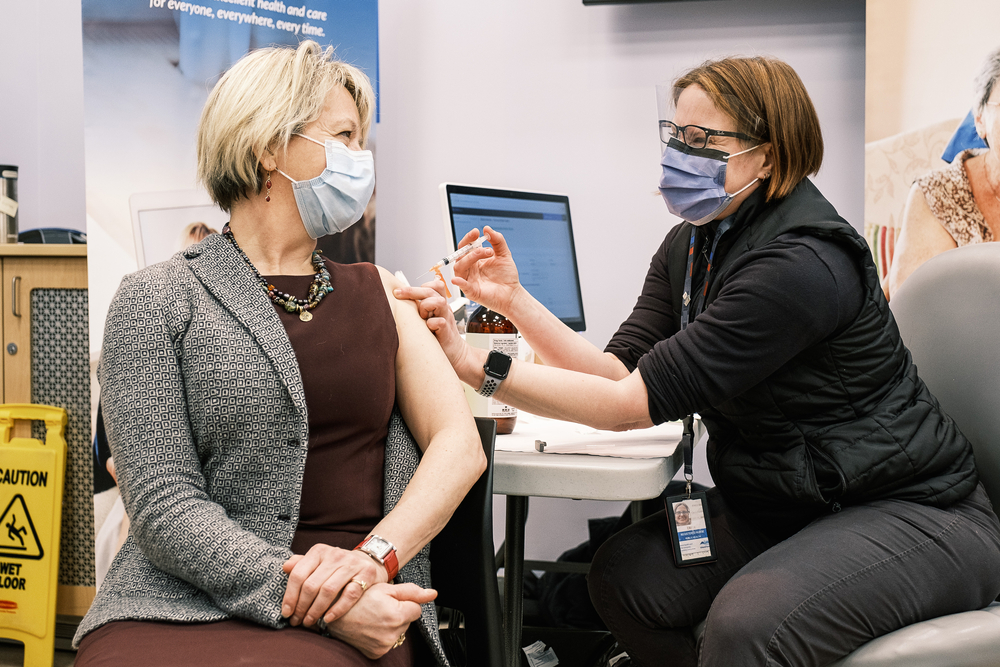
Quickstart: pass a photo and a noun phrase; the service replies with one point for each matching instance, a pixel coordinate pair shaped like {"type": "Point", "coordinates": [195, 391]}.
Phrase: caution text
{"type": "Point", "coordinates": [24, 477]}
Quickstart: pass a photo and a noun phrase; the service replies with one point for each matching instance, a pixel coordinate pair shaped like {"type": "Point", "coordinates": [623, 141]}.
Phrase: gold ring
{"type": "Point", "coordinates": [399, 642]}
{"type": "Point", "coordinates": [364, 585]}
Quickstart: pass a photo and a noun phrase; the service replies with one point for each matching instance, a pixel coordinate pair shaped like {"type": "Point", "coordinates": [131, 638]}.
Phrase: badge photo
{"type": "Point", "coordinates": [690, 529]}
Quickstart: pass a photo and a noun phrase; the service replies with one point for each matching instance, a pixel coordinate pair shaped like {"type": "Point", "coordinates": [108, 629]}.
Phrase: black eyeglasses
{"type": "Point", "coordinates": [695, 136]}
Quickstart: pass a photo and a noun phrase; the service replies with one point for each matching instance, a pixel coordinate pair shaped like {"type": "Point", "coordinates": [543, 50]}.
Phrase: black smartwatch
{"type": "Point", "coordinates": [496, 367]}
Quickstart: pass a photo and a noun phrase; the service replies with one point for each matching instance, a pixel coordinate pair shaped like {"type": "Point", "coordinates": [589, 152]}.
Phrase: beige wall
{"type": "Point", "coordinates": [921, 59]}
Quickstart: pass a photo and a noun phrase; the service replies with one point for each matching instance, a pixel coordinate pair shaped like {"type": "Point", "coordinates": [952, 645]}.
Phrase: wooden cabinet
{"type": "Point", "coordinates": [46, 359]}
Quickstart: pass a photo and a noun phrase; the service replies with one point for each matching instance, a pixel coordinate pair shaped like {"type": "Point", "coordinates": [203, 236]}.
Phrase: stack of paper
{"type": "Point", "coordinates": [560, 437]}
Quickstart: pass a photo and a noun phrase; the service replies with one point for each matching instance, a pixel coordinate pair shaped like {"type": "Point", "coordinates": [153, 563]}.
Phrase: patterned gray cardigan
{"type": "Point", "coordinates": [206, 417]}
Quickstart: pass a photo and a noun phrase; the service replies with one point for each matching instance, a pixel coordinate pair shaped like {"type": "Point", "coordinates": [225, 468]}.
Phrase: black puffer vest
{"type": "Point", "coordinates": [847, 420]}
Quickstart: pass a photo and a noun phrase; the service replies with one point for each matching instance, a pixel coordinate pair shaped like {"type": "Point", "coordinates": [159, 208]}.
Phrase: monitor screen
{"type": "Point", "coordinates": [539, 231]}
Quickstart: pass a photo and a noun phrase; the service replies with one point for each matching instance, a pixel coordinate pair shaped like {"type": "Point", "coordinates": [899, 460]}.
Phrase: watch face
{"type": "Point", "coordinates": [497, 365]}
{"type": "Point", "coordinates": [376, 546]}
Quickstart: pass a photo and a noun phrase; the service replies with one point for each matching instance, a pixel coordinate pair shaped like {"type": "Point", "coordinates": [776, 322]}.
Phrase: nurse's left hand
{"type": "Point", "coordinates": [434, 309]}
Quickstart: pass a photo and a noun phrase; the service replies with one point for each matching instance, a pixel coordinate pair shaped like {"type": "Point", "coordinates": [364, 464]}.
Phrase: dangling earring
{"type": "Point", "coordinates": [267, 195]}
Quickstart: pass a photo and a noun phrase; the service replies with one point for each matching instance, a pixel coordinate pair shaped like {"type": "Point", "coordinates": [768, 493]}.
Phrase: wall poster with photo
{"type": "Point", "coordinates": [929, 113]}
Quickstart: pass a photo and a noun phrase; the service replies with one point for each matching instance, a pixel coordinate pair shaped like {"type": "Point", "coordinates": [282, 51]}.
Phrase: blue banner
{"type": "Point", "coordinates": [214, 34]}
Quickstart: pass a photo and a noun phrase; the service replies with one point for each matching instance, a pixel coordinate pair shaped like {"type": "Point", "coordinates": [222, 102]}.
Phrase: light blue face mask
{"type": "Point", "coordinates": [693, 183]}
{"type": "Point", "coordinates": [337, 198]}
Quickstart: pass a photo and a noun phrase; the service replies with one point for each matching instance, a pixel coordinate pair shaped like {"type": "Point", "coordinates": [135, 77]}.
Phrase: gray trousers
{"type": "Point", "coordinates": [803, 601]}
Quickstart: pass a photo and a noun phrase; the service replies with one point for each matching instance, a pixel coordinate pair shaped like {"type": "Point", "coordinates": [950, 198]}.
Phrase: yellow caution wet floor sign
{"type": "Point", "coordinates": [31, 487]}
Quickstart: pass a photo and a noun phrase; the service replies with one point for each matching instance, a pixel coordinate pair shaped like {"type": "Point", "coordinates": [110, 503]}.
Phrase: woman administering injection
{"type": "Point", "coordinates": [847, 503]}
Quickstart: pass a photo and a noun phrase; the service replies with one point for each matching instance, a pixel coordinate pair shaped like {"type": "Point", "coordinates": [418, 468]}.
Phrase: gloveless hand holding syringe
{"type": "Point", "coordinates": [451, 259]}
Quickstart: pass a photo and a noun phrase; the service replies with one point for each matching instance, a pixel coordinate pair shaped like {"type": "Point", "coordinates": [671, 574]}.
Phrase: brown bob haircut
{"type": "Point", "coordinates": [766, 99]}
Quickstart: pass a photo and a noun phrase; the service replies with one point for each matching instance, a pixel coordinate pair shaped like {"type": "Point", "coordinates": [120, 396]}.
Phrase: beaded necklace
{"type": "Point", "coordinates": [320, 287]}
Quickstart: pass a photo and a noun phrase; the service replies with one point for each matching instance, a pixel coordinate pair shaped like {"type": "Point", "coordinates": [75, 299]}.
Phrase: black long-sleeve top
{"type": "Point", "coordinates": [777, 301]}
{"type": "Point", "coordinates": [811, 400]}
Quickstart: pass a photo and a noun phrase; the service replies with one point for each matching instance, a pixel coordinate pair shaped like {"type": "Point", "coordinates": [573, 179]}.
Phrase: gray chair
{"type": "Point", "coordinates": [948, 313]}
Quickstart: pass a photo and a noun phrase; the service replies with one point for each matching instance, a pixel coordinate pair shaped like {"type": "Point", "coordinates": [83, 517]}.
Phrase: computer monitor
{"type": "Point", "coordinates": [161, 222]}
{"type": "Point", "coordinates": [539, 231]}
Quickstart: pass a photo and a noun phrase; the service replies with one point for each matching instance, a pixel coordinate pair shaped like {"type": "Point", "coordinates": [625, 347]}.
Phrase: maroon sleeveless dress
{"type": "Point", "coordinates": [346, 356]}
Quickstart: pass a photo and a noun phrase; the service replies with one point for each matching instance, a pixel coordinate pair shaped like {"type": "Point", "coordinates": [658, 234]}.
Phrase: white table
{"type": "Point", "coordinates": [519, 471]}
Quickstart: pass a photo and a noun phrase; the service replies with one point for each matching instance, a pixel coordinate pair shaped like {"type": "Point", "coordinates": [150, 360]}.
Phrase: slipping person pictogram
{"type": "Point", "coordinates": [13, 532]}
{"type": "Point", "coordinates": [20, 540]}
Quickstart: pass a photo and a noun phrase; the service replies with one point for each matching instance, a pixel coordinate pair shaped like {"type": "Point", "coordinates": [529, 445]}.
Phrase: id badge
{"type": "Point", "coordinates": [690, 529]}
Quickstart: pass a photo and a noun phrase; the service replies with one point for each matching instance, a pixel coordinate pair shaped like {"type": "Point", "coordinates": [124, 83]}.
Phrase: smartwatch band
{"type": "Point", "coordinates": [489, 386]}
{"type": "Point", "coordinates": [496, 368]}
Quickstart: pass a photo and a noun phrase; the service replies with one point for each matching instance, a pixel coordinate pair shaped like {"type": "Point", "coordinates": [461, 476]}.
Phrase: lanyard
{"type": "Point", "coordinates": [686, 304]}
{"type": "Point", "coordinates": [687, 438]}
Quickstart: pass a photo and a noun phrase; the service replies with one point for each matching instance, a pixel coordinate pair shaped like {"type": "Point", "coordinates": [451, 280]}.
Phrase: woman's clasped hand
{"type": "Point", "coordinates": [326, 582]}
{"type": "Point", "coordinates": [348, 591]}
{"type": "Point", "coordinates": [377, 623]}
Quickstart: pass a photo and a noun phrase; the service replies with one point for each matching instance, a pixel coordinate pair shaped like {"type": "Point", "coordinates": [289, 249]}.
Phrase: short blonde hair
{"type": "Point", "coordinates": [767, 100]}
{"type": "Point", "coordinates": [265, 98]}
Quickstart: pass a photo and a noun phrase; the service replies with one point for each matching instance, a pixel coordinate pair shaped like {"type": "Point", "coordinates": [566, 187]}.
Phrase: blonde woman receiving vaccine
{"type": "Point", "coordinates": [259, 402]}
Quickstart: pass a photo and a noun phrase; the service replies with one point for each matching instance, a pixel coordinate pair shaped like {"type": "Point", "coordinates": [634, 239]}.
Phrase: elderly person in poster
{"type": "Point", "coordinates": [959, 204]}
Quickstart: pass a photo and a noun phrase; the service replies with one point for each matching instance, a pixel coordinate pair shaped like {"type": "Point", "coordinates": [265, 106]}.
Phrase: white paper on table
{"type": "Point", "coordinates": [562, 437]}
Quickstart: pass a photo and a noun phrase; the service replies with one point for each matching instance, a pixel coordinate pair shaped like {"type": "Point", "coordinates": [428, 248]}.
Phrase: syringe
{"type": "Point", "coordinates": [459, 254]}
{"type": "Point", "coordinates": [451, 259]}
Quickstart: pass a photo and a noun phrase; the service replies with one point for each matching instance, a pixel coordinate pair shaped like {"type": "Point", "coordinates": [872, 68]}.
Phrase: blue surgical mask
{"type": "Point", "coordinates": [337, 198]}
{"type": "Point", "coordinates": [693, 183]}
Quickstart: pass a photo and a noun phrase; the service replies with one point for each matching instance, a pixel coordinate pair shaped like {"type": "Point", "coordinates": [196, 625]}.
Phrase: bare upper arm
{"type": "Point", "coordinates": [921, 237]}
{"type": "Point", "coordinates": [429, 394]}
{"type": "Point", "coordinates": [635, 404]}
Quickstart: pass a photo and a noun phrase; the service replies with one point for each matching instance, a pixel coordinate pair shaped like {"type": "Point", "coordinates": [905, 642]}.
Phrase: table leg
{"type": "Point", "coordinates": [636, 510]}
{"type": "Point", "coordinates": [513, 577]}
